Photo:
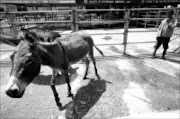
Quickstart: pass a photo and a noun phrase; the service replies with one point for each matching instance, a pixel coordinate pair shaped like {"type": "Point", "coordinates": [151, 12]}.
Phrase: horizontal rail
{"type": "Point", "coordinates": [81, 22]}
{"type": "Point", "coordinates": [99, 10]}
{"type": "Point", "coordinates": [30, 12]}
{"type": "Point", "coordinates": [40, 22]}
{"type": "Point", "coordinates": [141, 42]}
{"type": "Point", "coordinates": [153, 19]}
{"type": "Point", "coordinates": [120, 33]}
{"type": "Point", "coordinates": [147, 9]}
{"type": "Point", "coordinates": [87, 10]}
{"type": "Point", "coordinates": [100, 22]}
{"type": "Point", "coordinates": [109, 44]}
{"type": "Point", "coordinates": [127, 43]}
{"type": "Point", "coordinates": [143, 31]}
{"type": "Point", "coordinates": [5, 26]}
{"type": "Point", "coordinates": [7, 50]}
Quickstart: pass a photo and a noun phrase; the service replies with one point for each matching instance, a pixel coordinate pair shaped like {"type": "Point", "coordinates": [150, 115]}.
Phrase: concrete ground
{"type": "Point", "coordinates": [132, 86]}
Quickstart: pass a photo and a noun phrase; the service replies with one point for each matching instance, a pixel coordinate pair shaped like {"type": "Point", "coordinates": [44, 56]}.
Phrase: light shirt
{"type": "Point", "coordinates": [166, 28]}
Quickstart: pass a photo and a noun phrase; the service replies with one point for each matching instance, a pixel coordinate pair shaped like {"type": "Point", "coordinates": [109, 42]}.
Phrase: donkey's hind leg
{"type": "Point", "coordinates": [52, 83]}
{"type": "Point", "coordinates": [91, 55]}
{"type": "Point", "coordinates": [68, 83]}
{"type": "Point", "coordinates": [87, 67]}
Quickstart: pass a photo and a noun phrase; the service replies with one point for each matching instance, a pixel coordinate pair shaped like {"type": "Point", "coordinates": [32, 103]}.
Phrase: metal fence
{"type": "Point", "coordinates": [73, 18]}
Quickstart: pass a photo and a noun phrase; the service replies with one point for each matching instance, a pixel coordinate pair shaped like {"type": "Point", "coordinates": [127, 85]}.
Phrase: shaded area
{"type": "Point", "coordinates": [177, 50]}
{"type": "Point", "coordinates": [107, 38]}
{"type": "Point", "coordinates": [164, 85]}
{"type": "Point", "coordinates": [172, 57]}
{"type": "Point", "coordinates": [85, 98]}
{"type": "Point", "coordinates": [114, 49]}
{"type": "Point", "coordinates": [45, 79]}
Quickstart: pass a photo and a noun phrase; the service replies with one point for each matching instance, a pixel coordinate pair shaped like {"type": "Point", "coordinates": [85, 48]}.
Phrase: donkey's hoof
{"type": "Point", "coordinates": [153, 57]}
{"type": "Point", "coordinates": [98, 77]}
{"type": "Point", "coordinates": [163, 58]}
{"type": "Point", "coordinates": [70, 95]}
{"type": "Point", "coordinates": [86, 78]}
{"type": "Point", "coordinates": [60, 106]}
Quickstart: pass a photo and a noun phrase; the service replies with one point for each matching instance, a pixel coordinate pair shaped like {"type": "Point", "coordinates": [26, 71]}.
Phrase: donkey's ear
{"type": "Point", "coordinates": [28, 36]}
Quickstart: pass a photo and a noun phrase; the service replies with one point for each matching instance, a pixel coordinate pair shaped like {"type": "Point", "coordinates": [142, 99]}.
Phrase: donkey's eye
{"type": "Point", "coordinates": [30, 60]}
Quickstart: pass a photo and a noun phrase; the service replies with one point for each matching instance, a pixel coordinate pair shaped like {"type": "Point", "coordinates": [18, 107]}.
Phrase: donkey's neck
{"type": "Point", "coordinates": [50, 54]}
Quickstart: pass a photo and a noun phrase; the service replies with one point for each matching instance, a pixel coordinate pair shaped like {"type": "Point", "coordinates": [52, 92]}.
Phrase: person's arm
{"type": "Point", "coordinates": [159, 30]}
{"type": "Point", "coordinates": [172, 25]}
{"type": "Point", "coordinates": [160, 25]}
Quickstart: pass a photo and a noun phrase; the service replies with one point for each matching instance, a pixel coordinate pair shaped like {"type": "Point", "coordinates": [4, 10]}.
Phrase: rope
{"type": "Point", "coordinates": [64, 53]}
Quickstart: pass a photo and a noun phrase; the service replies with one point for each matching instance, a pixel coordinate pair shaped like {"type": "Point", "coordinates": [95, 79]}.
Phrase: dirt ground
{"type": "Point", "coordinates": [131, 84]}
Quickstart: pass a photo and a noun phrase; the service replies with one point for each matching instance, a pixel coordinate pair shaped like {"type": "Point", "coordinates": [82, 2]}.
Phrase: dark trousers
{"type": "Point", "coordinates": [162, 41]}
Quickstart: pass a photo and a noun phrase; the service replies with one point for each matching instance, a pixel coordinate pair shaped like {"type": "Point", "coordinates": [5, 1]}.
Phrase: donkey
{"type": "Point", "coordinates": [59, 54]}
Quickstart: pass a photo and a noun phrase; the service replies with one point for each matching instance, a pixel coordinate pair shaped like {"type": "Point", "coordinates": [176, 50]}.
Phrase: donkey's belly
{"type": "Point", "coordinates": [77, 53]}
{"type": "Point", "coordinates": [77, 46]}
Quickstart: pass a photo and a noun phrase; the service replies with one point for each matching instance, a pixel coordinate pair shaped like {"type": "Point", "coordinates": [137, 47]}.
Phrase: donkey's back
{"type": "Point", "coordinates": [77, 45]}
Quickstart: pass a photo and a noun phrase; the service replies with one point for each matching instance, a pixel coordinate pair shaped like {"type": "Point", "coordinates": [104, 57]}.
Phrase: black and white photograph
{"type": "Point", "coordinates": [90, 59]}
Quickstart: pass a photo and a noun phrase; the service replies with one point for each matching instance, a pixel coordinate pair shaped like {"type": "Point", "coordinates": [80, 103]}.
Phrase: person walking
{"type": "Point", "coordinates": [165, 32]}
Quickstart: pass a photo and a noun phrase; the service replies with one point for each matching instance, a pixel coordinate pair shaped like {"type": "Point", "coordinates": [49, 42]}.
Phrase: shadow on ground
{"type": "Point", "coordinates": [45, 80]}
{"type": "Point", "coordinates": [171, 57]}
{"type": "Point", "coordinates": [85, 98]}
{"type": "Point", "coordinates": [107, 38]}
{"type": "Point", "coordinates": [60, 80]}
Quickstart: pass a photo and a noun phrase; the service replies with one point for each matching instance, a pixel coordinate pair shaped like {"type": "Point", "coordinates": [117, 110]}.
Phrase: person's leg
{"type": "Point", "coordinates": [158, 44]}
{"type": "Point", "coordinates": [165, 46]}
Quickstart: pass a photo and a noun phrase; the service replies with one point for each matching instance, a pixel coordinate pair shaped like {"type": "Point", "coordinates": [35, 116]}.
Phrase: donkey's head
{"type": "Point", "coordinates": [25, 64]}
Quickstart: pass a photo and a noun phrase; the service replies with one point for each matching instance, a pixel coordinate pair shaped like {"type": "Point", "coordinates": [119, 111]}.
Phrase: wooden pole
{"type": "Point", "coordinates": [126, 26]}
{"type": "Point", "coordinates": [76, 21]}
{"type": "Point", "coordinates": [74, 17]}
{"type": "Point", "coordinates": [157, 22]}
{"type": "Point", "coordinates": [145, 24]}
{"type": "Point", "coordinates": [11, 18]}
{"type": "Point", "coordinates": [73, 20]}
{"type": "Point", "coordinates": [137, 20]}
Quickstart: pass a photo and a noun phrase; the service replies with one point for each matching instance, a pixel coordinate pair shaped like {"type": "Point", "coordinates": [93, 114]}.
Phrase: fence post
{"type": "Point", "coordinates": [177, 12]}
{"type": "Point", "coordinates": [158, 16]}
{"type": "Point", "coordinates": [11, 19]}
{"type": "Point", "coordinates": [74, 17]}
{"type": "Point", "coordinates": [126, 26]}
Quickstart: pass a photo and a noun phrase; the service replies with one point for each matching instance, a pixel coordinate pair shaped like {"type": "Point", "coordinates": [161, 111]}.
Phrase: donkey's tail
{"type": "Point", "coordinates": [99, 50]}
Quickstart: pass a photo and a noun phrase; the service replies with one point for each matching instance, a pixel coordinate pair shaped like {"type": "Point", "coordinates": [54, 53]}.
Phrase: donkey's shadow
{"type": "Point", "coordinates": [85, 98]}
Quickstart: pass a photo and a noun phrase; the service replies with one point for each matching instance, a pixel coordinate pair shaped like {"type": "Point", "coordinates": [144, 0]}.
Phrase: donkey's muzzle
{"type": "Point", "coordinates": [14, 92]}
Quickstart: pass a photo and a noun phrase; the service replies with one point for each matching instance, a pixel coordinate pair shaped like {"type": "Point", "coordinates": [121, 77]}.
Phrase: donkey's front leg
{"type": "Point", "coordinates": [52, 83]}
{"type": "Point", "coordinates": [68, 83]}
